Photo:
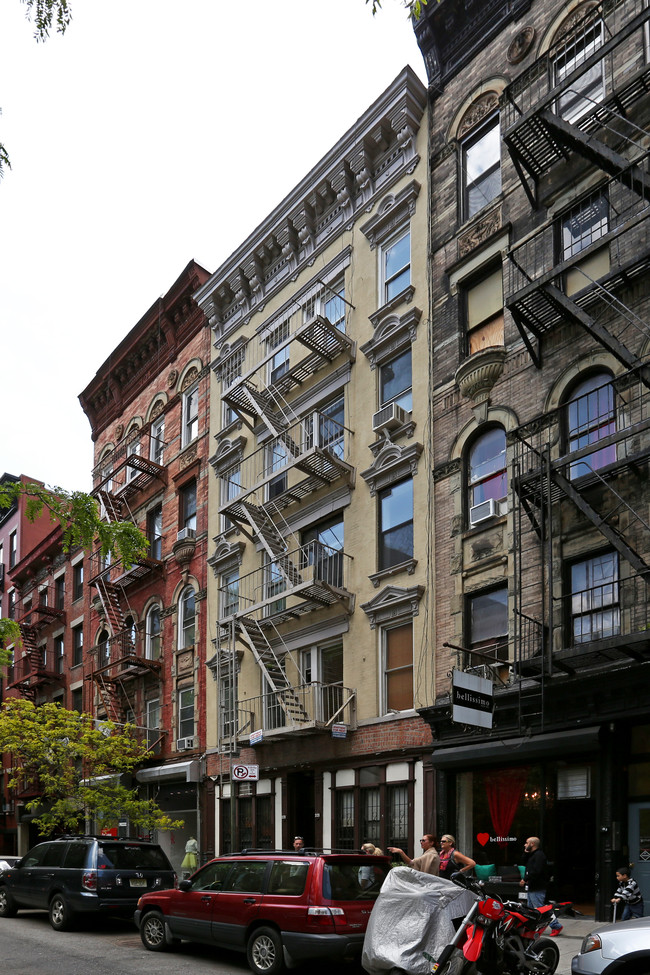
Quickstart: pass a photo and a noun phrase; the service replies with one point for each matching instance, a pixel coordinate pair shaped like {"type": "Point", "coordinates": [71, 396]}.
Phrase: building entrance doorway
{"type": "Point", "coordinates": [301, 808]}
{"type": "Point", "coordinates": [638, 831]}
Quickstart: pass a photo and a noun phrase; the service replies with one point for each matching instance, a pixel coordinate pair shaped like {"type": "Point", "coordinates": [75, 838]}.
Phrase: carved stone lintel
{"type": "Point", "coordinates": [481, 231]}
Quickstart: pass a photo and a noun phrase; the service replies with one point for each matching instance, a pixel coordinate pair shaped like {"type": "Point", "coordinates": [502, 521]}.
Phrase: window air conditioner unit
{"type": "Point", "coordinates": [483, 511]}
{"type": "Point", "coordinates": [182, 744]}
{"type": "Point", "coordinates": [185, 533]}
{"type": "Point", "coordinates": [389, 418]}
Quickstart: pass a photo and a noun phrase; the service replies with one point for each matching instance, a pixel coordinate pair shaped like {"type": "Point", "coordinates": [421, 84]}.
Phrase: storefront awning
{"type": "Point", "coordinates": [185, 771]}
{"type": "Point", "coordinates": [515, 750]}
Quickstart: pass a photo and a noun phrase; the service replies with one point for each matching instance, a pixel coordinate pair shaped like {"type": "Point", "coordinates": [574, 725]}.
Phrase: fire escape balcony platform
{"type": "Point", "coordinates": [124, 667]}
{"type": "Point", "coordinates": [611, 651]}
{"type": "Point", "coordinates": [320, 706]}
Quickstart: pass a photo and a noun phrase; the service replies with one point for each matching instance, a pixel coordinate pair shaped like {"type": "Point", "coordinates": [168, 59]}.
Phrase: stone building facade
{"type": "Point", "coordinates": [539, 136]}
{"type": "Point", "coordinates": [319, 571]}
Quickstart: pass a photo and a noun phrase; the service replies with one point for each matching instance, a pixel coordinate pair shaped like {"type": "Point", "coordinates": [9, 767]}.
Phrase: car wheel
{"type": "Point", "coordinates": [152, 931]}
{"type": "Point", "coordinates": [60, 915]}
{"type": "Point", "coordinates": [264, 952]}
{"type": "Point", "coordinates": [7, 907]}
{"type": "Point", "coordinates": [545, 956]}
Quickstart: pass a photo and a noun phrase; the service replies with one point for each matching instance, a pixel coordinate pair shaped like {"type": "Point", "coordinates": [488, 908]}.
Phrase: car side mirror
{"type": "Point", "coordinates": [185, 885]}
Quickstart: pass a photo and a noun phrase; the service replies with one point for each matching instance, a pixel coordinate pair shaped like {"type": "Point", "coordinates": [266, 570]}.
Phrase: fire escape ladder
{"type": "Point", "coordinates": [110, 695]}
{"type": "Point", "coordinates": [598, 154]}
{"type": "Point", "coordinates": [112, 605]}
{"type": "Point", "coordinates": [598, 331]}
{"type": "Point", "coordinates": [273, 670]}
{"type": "Point", "coordinates": [604, 523]}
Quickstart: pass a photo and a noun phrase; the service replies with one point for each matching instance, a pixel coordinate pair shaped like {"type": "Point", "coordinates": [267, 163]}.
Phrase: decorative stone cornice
{"type": "Point", "coordinates": [372, 156]}
{"type": "Point", "coordinates": [477, 375]}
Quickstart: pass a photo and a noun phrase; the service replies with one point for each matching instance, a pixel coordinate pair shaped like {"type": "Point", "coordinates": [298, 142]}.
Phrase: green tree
{"type": "Point", "coordinates": [79, 517]}
{"type": "Point", "coordinates": [75, 763]}
{"type": "Point", "coordinates": [414, 7]}
{"type": "Point", "coordinates": [45, 15]}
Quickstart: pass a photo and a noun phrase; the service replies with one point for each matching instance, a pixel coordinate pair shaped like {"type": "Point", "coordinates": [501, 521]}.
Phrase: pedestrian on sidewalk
{"type": "Point", "coordinates": [628, 893]}
{"type": "Point", "coordinates": [536, 878]}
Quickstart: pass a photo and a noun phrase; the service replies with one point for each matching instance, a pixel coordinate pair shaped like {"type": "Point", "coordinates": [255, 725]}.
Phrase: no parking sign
{"type": "Point", "coordinates": [249, 772]}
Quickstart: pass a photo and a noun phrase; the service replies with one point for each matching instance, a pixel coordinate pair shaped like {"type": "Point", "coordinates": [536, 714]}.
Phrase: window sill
{"type": "Point", "coordinates": [408, 567]}
{"type": "Point", "coordinates": [404, 296]}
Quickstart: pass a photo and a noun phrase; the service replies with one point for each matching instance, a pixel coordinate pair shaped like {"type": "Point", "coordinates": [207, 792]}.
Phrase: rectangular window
{"type": "Point", "coordinates": [395, 382]}
{"type": "Point", "coordinates": [584, 91]}
{"type": "Point", "coordinates": [230, 593]}
{"type": "Point", "coordinates": [59, 651]}
{"type": "Point", "coordinates": [277, 458]}
{"type": "Point", "coordinates": [484, 308]}
{"type": "Point", "coordinates": [227, 708]}
{"type": "Point", "coordinates": [59, 592]}
{"type": "Point", "coordinates": [188, 505]}
{"type": "Point", "coordinates": [398, 816]}
{"type": "Point", "coordinates": [154, 532]}
{"type": "Point", "coordinates": [132, 450]}
{"type": "Point", "coordinates": [323, 548]}
{"type": "Point", "coordinates": [582, 226]}
{"type": "Point", "coordinates": [157, 440]}
{"type": "Point", "coordinates": [371, 815]}
{"type": "Point", "coordinates": [398, 667]}
{"type": "Point", "coordinates": [595, 607]}
{"type": "Point", "coordinates": [77, 645]}
{"type": "Point", "coordinates": [344, 819]}
{"type": "Point", "coordinates": [153, 722]}
{"type": "Point", "coordinates": [396, 524]}
{"type": "Point", "coordinates": [76, 700]}
{"type": "Point", "coordinates": [13, 549]}
{"type": "Point", "coordinates": [488, 621]}
{"type": "Point", "coordinates": [395, 266]}
{"type": "Point", "coordinates": [78, 580]}
{"type": "Point", "coordinates": [276, 583]}
{"type": "Point", "coordinates": [190, 415]}
{"type": "Point", "coordinates": [186, 712]}
{"type": "Point", "coordinates": [279, 361]}
{"type": "Point", "coordinates": [481, 168]}
{"type": "Point", "coordinates": [274, 716]}
{"type": "Point", "coordinates": [11, 607]}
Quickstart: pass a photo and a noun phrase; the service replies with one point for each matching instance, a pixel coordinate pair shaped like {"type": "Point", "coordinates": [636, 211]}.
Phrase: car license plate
{"type": "Point", "coordinates": [137, 882]}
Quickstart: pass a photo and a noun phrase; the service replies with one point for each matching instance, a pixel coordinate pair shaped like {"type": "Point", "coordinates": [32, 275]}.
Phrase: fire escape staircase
{"type": "Point", "coordinates": [31, 668]}
{"type": "Point", "coordinates": [273, 670]}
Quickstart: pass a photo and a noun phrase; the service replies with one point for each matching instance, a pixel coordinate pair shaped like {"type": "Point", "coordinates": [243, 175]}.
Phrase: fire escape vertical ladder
{"type": "Point", "coordinates": [272, 670]}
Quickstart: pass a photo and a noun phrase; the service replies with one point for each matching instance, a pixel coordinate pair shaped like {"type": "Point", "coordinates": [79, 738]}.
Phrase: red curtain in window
{"type": "Point", "coordinates": [504, 791]}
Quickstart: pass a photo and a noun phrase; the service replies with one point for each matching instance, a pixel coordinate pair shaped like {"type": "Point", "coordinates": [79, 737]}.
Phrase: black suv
{"type": "Point", "coordinates": [84, 874]}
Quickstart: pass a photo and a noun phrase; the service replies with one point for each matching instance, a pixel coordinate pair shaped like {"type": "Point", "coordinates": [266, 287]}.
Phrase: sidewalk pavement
{"type": "Point", "coordinates": [570, 939]}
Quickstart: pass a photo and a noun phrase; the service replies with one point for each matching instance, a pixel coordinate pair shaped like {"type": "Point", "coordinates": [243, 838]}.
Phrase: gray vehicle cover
{"type": "Point", "coordinates": [413, 913]}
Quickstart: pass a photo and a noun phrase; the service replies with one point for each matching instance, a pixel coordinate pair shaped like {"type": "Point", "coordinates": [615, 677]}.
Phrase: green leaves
{"type": "Point", "coordinates": [77, 765]}
{"type": "Point", "coordinates": [47, 14]}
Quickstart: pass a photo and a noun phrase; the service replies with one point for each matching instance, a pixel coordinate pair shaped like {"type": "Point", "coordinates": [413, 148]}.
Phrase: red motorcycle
{"type": "Point", "coordinates": [498, 938]}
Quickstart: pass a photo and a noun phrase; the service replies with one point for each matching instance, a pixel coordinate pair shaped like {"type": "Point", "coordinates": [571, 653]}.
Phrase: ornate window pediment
{"type": "Point", "coordinates": [393, 603]}
{"type": "Point", "coordinates": [393, 333]}
{"type": "Point", "coordinates": [392, 463]}
{"type": "Point", "coordinates": [227, 556]}
{"type": "Point", "coordinates": [393, 211]}
{"type": "Point", "coordinates": [229, 453]}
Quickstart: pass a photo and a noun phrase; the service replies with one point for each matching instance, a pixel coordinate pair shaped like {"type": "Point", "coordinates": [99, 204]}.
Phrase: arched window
{"type": "Point", "coordinates": [487, 476]}
{"type": "Point", "coordinates": [152, 640]}
{"type": "Point", "coordinates": [186, 621]}
{"type": "Point", "coordinates": [590, 416]}
{"type": "Point", "coordinates": [103, 649]}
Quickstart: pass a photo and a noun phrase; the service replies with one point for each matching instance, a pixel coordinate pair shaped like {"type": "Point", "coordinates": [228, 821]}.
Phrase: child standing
{"type": "Point", "coordinates": [629, 894]}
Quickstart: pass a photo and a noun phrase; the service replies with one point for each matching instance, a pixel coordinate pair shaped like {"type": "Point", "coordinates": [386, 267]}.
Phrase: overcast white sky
{"type": "Point", "coordinates": [152, 132]}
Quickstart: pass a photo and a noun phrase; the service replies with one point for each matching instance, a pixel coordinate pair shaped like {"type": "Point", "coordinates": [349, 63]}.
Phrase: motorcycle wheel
{"type": "Point", "coordinates": [456, 965]}
{"type": "Point", "coordinates": [545, 955]}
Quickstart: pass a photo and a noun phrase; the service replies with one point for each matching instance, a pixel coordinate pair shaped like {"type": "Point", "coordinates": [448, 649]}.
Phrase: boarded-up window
{"type": "Point", "coordinates": [485, 312]}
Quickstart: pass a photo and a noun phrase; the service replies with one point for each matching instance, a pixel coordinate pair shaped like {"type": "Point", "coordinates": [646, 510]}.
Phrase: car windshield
{"type": "Point", "coordinates": [355, 880]}
{"type": "Point", "coordinates": [131, 856]}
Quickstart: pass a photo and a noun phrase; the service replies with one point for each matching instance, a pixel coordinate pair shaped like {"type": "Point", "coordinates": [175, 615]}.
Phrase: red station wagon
{"type": "Point", "coordinates": [275, 906]}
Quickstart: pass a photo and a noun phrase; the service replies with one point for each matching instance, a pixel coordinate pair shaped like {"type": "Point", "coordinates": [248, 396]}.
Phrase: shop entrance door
{"type": "Point", "coordinates": [638, 831]}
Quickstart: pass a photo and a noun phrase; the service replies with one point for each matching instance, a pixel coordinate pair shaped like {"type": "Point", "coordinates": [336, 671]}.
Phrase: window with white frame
{"type": "Point", "coordinates": [187, 618]}
{"type": "Point", "coordinates": [330, 303]}
{"type": "Point", "coordinates": [397, 667]}
{"type": "Point", "coordinates": [190, 414]}
{"type": "Point", "coordinates": [77, 645]}
{"type": "Point", "coordinates": [154, 532]}
{"type": "Point", "coordinates": [13, 548]}
{"type": "Point", "coordinates": [279, 360]}
{"type": "Point", "coordinates": [273, 710]}
{"type": "Point", "coordinates": [132, 450]}
{"type": "Point", "coordinates": [277, 458]}
{"type": "Point", "coordinates": [587, 89]}
{"type": "Point", "coordinates": [103, 649]}
{"type": "Point", "coordinates": [331, 427]}
{"type": "Point", "coordinates": [229, 593]}
{"type": "Point", "coordinates": [157, 440]}
{"type": "Point", "coordinates": [187, 497]}
{"type": "Point", "coordinates": [186, 712]}
{"type": "Point", "coordinates": [153, 721]}
{"type": "Point", "coordinates": [395, 524]}
{"type": "Point", "coordinates": [59, 651]}
{"type": "Point", "coordinates": [231, 486]}
{"type": "Point", "coordinates": [595, 598]}
{"type": "Point", "coordinates": [480, 167]}
{"type": "Point", "coordinates": [152, 633]}
{"type": "Point", "coordinates": [581, 226]}
{"type": "Point", "coordinates": [322, 546]}
{"type": "Point", "coordinates": [487, 472]}
{"type": "Point", "coordinates": [275, 584]}
{"type": "Point", "coordinates": [395, 256]}
{"type": "Point", "coordinates": [396, 382]}
{"type": "Point", "coordinates": [227, 707]}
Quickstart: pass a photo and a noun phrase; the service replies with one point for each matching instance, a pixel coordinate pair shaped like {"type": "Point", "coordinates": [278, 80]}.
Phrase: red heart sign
{"type": "Point", "coordinates": [483, 838]}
